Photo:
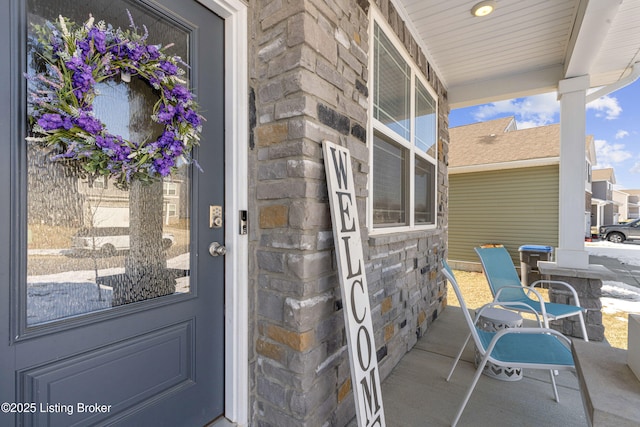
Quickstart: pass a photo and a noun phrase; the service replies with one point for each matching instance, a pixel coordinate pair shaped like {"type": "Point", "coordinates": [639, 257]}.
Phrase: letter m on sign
{"type": "Point", "coordinates": [353, 286]}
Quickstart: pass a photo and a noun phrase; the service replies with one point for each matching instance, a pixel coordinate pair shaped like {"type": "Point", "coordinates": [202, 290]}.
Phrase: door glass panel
{"type": "Point", "coordinates": [91, 245]}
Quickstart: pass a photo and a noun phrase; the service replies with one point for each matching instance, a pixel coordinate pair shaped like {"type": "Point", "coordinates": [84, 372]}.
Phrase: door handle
{"type": "Point", "coordinates": [216, 249]}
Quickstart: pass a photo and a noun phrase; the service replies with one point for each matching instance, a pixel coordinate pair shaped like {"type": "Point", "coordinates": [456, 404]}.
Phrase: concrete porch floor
{"type": "Point", "coordinates": [416, 392]}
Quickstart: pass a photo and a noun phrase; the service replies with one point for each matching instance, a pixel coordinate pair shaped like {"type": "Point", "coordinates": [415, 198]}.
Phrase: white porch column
{"type": "Point", "coordinates": [600, 209]}
{"type": "Point", "coordinates": [572, 94]}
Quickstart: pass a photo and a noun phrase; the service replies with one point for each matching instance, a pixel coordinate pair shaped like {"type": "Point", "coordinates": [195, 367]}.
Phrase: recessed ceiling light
{"type": "Point", "coordinates": [483, 8]}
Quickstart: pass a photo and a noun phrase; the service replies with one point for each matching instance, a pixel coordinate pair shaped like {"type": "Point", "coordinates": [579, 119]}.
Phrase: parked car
{"type": "Point", "coordinates": [108, 240]}
{"type": "Point", "coordinates": [618, 233]}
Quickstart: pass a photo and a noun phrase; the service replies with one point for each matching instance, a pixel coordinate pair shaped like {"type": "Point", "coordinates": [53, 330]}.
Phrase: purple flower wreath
{"type": "Point", "coordinates": [76, 59]}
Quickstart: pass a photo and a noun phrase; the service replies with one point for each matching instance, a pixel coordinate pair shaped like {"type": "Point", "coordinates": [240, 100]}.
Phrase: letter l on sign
{"type": "Point", "coordinates": [365, 377]}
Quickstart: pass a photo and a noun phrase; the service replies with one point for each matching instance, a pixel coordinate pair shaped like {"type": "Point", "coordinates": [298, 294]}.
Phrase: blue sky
{"type": "Point", "coordinates": [613, 120]}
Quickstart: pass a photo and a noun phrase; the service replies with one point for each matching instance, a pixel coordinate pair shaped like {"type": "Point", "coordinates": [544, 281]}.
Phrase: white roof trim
{"type": "Point", "coordinates": [529, 83]}
{"type": "Point", "coordinates": [547, 161]}
{"type": "Point", "coordinates": [587, 39]}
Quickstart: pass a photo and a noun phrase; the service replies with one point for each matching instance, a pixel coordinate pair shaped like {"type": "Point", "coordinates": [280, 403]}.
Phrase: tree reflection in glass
{"type": "Point", "coordinates": [92, 246]}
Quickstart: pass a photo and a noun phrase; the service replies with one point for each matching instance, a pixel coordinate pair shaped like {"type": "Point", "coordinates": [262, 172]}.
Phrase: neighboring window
{"type": "Point", "coordinates": [404, 148]}
{"type": "Point", "coordinates": [169, 209]}
{"type": "Point", "coordinates": [169, 188]}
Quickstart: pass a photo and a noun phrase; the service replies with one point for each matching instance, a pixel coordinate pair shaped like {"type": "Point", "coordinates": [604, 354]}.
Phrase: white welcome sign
{"type": "Point", "coordinates": [365, 377]}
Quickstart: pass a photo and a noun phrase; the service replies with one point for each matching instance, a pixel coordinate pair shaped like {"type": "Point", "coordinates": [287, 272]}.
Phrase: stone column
{"type": "Point", "coordinates": [308, 79]}
{"type": "Point", "coordinates": [588, 285]}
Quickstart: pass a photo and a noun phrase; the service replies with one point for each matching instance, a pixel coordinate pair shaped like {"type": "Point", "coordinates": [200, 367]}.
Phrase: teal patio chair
{"type": "Point", "coordinates": [506, 286]}
{"type": "Point", "coordinates": [531, 348]}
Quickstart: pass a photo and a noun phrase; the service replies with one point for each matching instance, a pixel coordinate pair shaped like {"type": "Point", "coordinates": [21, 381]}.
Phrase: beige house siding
{"type": "Point", "coordinates": [512, 207]}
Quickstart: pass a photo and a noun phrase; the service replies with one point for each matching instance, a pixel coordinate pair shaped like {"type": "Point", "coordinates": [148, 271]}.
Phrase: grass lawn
{"type": "Point", "coordinates": [475, 290]}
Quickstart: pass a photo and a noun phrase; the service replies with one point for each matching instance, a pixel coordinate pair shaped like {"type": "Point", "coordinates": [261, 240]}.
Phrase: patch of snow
{"type": "Point", "coordinates": [626, 253]}
{"type": "Point", "coordinates": [181, 262]}
{"type": "Point", "coordinates": [619, 297]}
{"type": "Point", "coordinates": [71, 293]}
{"type": "Point", "coordinates": [620, 290]}
{"type": "Point", "coordinates": [614, 305]}
{"type": "Point", "coordinates": [50, 301]}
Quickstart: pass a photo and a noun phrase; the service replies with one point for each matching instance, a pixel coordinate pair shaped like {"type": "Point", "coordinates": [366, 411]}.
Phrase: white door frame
{"type": "Point", "coordinates": [234, 12]}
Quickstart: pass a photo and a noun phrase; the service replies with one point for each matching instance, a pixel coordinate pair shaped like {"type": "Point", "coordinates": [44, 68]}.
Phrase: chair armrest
{"type": "Point", "coordinates": [558, 282]}
{"type": "Point", "coordinates": [528, 290]}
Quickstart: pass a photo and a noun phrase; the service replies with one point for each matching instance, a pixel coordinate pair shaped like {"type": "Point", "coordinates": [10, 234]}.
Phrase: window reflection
{"type": "Point", "coordinates": [389, 189]}
{"type": "Point", "coordinates": [91, 245]}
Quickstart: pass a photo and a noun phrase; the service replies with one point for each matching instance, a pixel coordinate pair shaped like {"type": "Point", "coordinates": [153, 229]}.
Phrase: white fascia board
{"type": "Point", "coordinates": [592, 25]}
{"type": "Point", "coordinates": [512, 86]}
{"type": "Point", "coordinates": [517, 164]}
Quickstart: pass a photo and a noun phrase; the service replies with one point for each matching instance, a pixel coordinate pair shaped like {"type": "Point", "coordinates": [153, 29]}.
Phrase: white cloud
{"type": "Point", "coordinates": [533, 111]}
{"type": "Point", "coordinates": [527, 124]}
{"type": "Point", "coordinates": [606, 107]}
{"type": "Point", "coordinates": [488, 111]}
{"type": "Point", "coordinates": [541, 110]}
{"type": "Point", "coordinates": [635, 168]}
{"type": "Point", "coordinates": [608, 154]}
{"type": "Point", "coordinates": [621, 134]}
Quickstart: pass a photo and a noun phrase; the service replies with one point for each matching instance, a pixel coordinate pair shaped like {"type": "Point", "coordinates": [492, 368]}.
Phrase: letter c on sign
{"type": "Point", "coordinates": [354, 308]}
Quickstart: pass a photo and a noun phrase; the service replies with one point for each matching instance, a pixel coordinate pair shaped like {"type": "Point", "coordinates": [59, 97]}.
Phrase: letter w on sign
{"type": "Point", "coordinates": [365, 377]}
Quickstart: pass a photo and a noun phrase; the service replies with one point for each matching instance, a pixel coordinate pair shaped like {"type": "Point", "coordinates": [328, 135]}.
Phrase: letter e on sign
{"type": "Point", "coordinates": [365, 376]}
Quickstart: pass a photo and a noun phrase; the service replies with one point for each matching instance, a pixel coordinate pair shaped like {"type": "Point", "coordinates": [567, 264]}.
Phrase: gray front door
{"type": "Point", "coordinates": [111, 307]}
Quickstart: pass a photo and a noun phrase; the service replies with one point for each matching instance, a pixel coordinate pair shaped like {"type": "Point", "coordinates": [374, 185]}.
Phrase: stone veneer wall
{"type": "Point", "coordinates": [308, 82]}
{"type": "Point", "coordinates": [589, 290]}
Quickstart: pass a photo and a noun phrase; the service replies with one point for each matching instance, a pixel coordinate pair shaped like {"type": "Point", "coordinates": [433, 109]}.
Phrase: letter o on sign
{"type": "Point", "coordinates": [363, 334]}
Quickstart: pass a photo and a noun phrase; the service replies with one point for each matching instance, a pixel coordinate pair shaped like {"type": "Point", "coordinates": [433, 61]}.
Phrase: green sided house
{"type": "Point", "coordinates": [504, 187]}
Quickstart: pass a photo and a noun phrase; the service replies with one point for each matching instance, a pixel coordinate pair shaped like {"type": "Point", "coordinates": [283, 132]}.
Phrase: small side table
{"type": "Point", "coordinates": [492, 320]}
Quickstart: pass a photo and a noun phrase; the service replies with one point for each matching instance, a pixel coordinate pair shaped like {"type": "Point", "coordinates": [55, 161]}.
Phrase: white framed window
{"type": "Point", "coordinates": [169, 188]}
{"type": "Point", "coordinates": [403, 139]}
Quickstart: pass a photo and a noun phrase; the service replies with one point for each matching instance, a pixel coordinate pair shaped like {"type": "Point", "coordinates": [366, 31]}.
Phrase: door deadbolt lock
{"type": "Point", "coordinates": [216, 249]}
{"type": "Point", "coordinates": [215, 216]}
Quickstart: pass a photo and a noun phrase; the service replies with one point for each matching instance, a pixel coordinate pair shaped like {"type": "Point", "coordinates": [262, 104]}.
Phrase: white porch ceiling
{"type": "Point", "coordinates": [524, 47]}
